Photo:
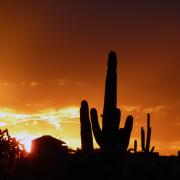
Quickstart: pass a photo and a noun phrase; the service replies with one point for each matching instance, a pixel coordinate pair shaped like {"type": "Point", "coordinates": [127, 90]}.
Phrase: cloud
{"type": "Point", "coordinates": [7, 84]}
{"type": "Point", "coordinates": [61, 82]}
{"type": "Point", "coordinates": [3, 124]}
{"type": "Point", "coordinates": [23, 83]}
{"type": "Point", "coordinates": [130, 108]}
{"type": "Point", "coordinates": [79, 83]}
{"type": "Point", "coordinates": [64, 82]}
{"type": "Point", "coordinates": [39, 105]}
{"type": "Point", "coordinates": [33, 84]}
{"type": "Point", "coordinates": [160, 110]}
{"type": "Point", "coordinates": [29, 84]}
{"type": "Point", "coordinates": [49, 116]}
{"type": "Point", "coordinates": [156, 109]}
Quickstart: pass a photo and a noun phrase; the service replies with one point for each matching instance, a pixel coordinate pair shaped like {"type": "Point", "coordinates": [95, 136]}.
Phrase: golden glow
{"type": "Point", "coordinates": [26, 127]}
{"type": "Point", "coordinates": [64, 124]}
{"type": "Point", "coordinates": [26, 139]}
{"type": "Point", "coordinates": [70, 112]}
{"type": "Point", "coordinates": [42, 65]}
{"type": "Point", "coordinates": [73, 143]}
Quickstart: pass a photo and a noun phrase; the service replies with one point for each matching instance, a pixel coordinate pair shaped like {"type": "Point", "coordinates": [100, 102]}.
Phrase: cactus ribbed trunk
{"type": "Point", "coordinates": [111, 136]}
{"type": "Point", "coordinates": [110, 100]}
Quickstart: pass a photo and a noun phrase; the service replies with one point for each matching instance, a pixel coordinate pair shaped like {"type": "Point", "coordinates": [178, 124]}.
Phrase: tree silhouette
{"type": "Point", "coordinates": [10, 150]}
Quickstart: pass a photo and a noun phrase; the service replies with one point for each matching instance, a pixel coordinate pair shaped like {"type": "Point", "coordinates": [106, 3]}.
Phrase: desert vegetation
{"type": "Point", "coordinates": [52, 159]}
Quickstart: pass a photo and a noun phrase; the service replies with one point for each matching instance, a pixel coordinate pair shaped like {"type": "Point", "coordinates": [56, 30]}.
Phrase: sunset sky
{"type": "Point", "coordinates": [53, 54]}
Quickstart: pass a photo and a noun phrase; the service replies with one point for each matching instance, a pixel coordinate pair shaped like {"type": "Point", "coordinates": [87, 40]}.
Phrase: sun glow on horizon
{"type": "Point", "coordinates": [62, 124]}
{"type": "Point", "coordinates": [26, 139]}
{"type": "Point", "coordinates": [26, 127]}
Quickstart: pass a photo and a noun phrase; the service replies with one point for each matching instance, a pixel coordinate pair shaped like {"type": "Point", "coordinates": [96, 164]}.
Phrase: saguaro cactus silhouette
{"type": "Point", "coordinates": [111, 136]}
{"type": "Point", "coordinates": [86, 133]}
{"type": "Point", "coordinates": [146, 145]}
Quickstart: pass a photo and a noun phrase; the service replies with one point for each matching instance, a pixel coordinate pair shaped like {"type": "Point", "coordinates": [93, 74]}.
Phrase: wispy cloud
{"type": "Point", "coordinates": [3, 124]}
{"type": "Point", "coordinates": [143, 109]}
{"type": "Point", "coordinates": [33, 84]}
{"type": "Point", "coordinates": [62, 82]}
{"type": "Point", "coordinates": [29, 84]}
{"type": "Point", "coordinates": [7, 84]}
{"type": "Point", "coordinates": [130, 108]}
{"type": "Point", "coordinates": [65, 82]}
{"type": "Point", "coordinates": [156, 109]}
{"type": "Point", "coordinates": [52, 117]}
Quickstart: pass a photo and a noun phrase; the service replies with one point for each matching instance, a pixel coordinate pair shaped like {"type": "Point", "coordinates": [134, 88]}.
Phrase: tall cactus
{"type": "Point", "coordinates": [146, 145]}
{"type": "Point", "coordinates": [111, 136]}
{"type": "Point", "coordinates": [86, 132]}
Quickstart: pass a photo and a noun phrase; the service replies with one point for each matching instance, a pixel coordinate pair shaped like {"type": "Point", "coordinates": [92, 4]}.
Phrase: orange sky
{"type": "Point", "coordinates": [53, 54]}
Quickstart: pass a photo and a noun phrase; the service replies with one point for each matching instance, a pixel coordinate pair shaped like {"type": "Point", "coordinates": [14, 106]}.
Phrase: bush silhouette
{"type": "Point", "coordinates": [10, 150]}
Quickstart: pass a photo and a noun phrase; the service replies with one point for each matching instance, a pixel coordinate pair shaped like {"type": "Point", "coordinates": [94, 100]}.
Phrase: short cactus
{"type": "Point", "coordinates": [146, 145]}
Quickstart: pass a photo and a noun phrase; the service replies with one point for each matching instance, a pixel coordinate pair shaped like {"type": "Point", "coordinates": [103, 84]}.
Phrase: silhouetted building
{"type": "Point", "coordinates": [48, 148]}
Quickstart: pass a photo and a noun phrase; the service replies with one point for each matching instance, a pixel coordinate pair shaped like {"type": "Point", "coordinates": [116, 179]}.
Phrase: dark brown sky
{"type": "Point", "coordinates": [54, 53]}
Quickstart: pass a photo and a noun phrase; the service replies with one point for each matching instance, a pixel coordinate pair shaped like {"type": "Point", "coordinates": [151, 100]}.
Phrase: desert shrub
{"type": "Point", "coordinates": [10, 150]}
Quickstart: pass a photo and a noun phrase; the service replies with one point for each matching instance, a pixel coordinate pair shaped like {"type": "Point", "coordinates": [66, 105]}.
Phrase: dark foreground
{"type": "Point", "coordinates": [105, 166]}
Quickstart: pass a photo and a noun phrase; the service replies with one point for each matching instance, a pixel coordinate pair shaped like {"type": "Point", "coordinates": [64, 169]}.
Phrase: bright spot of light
{"type": "Point", "coordinates": [3, 124]}
{"type": "Point", "coordinates": [26, 139]}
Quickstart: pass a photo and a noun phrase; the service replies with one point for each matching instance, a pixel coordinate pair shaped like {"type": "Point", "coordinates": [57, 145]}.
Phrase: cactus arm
{"type": "Point", "coordinates": [96, 127]}
{"type": "Point", "coordinates": [86, 133]}
{"type": "Point", "coordinates": [148, 120]}
{"type": "Point", "coordinates": [135, 146]}
{"type": "Point", "coordinates": [152, 149]}
{"type": "Point", "coordinates": [128, 125]}
{"type": "Point", "coordinates": [117, 119]}
{"type": "Point", "coordinates": [148, 139]}
{"type": "Point", "coordinates": [127, 131]}
{"type": "Point", "coordinates": [142, 139]}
